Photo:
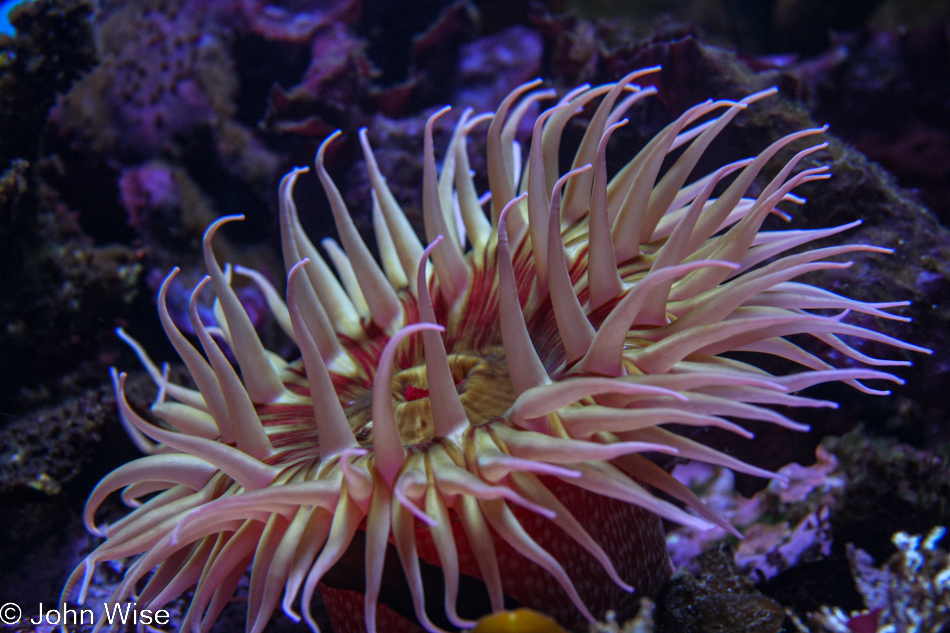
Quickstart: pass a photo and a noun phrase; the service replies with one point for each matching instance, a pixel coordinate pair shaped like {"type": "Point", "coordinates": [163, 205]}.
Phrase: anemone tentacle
{"type": "Point", "coordinates": [484, 403]}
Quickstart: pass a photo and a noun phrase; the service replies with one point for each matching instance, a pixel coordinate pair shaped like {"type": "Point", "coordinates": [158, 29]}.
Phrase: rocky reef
{"type": "Point", "coordinates": [126, 127]}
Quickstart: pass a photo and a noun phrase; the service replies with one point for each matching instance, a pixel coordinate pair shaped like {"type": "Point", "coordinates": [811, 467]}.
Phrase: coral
{"type": "Point", "coordinates": [163, 75]}
{"type": "Point", "coordinates": [417, 52]}
{"type": "Point", "coordinates": [491, 67]}
{"type": "Point", "coordinates": [292, 20]}
{"type": "Point", "coordinates": [164, 206]}
{"type": "Point", "coordinates": [333, 86]}
{"type": "Point", "coordinates": [860, 490]}
{"type": "Point", "coordinates": [910, 592]}
{"type": "Point", "coordinates": [164, 91]}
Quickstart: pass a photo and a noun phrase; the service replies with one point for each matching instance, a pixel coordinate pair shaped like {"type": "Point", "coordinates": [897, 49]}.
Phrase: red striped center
{"type": "Point", "coordinates": [415, 393]}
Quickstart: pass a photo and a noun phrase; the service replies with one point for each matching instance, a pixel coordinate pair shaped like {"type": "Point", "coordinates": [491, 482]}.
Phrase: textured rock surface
{"type": "Point", "coordinates": [716, 600]}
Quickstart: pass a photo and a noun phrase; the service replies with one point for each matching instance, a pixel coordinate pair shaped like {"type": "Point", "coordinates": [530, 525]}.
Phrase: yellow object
{"type": "Point", "coordinates": [517, 621]}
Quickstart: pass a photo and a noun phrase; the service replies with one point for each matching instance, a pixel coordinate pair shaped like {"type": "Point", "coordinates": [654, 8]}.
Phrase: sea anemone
{"type": "Point", "coordinates": [480, 406]}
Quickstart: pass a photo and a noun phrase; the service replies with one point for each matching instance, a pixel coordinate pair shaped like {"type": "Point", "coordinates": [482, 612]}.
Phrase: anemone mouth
{"type": "Point", "coordinates": [481, 381]}
{"type": "Point", "coordinates": [487, 391]}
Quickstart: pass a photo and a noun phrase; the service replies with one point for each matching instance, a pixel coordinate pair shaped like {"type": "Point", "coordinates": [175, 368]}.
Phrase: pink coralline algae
{"type": "Point", "coordinates": [295, 20]}
{"type": "Point", "coordinates": [490, 67]}
{"type": "Point", "coordinates": [336, 79]}
{"type": "Point", "coordinates": [163, 205]}
{"type": "Point", "coordinates": [785, 524]}
{"type": "Point", "coordinates": [162, 75]}
{"type": "Point", "coordinates": [147, 189]}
